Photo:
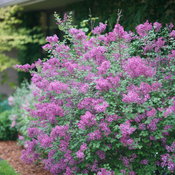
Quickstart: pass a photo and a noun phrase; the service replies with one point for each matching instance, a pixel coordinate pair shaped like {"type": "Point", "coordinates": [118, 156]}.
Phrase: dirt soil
{"type": "Point", "coordinates": [10, 151]}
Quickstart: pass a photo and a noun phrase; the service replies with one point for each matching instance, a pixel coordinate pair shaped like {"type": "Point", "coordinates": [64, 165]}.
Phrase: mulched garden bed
{"type": "Point", "coordinates": [10, 151]}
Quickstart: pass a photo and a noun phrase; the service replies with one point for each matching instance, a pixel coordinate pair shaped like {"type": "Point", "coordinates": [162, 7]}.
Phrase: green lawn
{"type": "Point", "coordinates": [6, 169]}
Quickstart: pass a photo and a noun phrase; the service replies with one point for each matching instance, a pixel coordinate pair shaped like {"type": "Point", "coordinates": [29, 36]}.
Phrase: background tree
{"type": "Point", "coordinates": [15, 35]}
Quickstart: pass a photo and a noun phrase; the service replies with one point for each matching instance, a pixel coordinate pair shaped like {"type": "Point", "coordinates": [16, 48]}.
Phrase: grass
{"type": "Point", "coordinates": [6, 169]}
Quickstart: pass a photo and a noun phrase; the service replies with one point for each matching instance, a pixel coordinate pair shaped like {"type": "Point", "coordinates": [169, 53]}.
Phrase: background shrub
{"type": "Point", "coordinates": [6, 131]}
{"type": "Point", "coordinates": [4, 104]}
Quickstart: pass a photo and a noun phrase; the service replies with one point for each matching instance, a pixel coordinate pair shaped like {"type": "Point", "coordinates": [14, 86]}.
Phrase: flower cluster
{"type": "Point", "coordinates": [136, 67]}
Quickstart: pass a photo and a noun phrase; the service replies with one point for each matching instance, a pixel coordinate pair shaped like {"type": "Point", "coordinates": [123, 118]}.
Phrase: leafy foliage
{"type": "Point", "coordinates": [6, 131]}
{"type": "Point", "coordinates": [4, 104]}
{"type": "Point", "coordinates": [13, 35]}
{"type": "Point", "coordinates": [134, 12]}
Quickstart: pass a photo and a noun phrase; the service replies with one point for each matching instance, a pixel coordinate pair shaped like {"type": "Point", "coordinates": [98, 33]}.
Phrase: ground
{"type": "Point", "coordinates": [11, 152]}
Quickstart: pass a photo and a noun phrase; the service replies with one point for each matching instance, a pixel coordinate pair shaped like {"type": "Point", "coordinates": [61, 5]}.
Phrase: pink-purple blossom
{"type": "Point", "coordinates": [136, 67]}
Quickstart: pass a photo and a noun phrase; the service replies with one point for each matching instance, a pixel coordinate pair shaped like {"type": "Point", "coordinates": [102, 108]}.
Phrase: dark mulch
{"type": "Point", "coordinates": [10, 151]}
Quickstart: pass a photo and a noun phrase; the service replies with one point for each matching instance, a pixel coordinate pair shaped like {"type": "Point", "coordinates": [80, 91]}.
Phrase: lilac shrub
{"type": "Point", "coordinates": [105, 102]}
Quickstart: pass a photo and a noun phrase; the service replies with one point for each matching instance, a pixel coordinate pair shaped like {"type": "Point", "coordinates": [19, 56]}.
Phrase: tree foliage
{"type": "Point", "coordinates": [13, 35]}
